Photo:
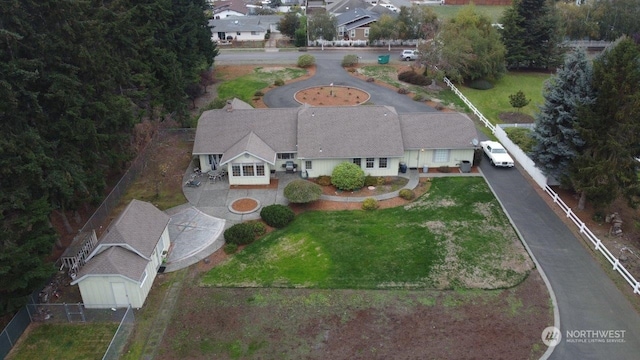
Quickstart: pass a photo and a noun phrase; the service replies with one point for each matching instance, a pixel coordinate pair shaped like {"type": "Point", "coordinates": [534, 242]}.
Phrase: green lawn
{"type": "Point", "coordinates": [456, 235]}
{"type": "Point", "coordinates": [449, 11]}
{"type": "Point", "coordinates": [65, 341]}
{"type": "Point", "coordinates": [245, 87]}
{"type": "Point", "coordinates": [495, 101]}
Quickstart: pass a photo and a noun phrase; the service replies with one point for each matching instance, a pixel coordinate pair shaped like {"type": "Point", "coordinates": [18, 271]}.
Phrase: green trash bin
{"type": "Point", "coordinates": [383, 59]}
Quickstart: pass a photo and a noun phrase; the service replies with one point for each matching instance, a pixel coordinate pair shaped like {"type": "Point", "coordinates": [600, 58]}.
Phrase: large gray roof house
{"type": "Point", "coordinates": [250, 144]}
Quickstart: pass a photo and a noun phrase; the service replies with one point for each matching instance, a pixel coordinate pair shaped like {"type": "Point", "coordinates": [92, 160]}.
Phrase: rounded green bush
{"type": "Point", "coordinates": [302, 191]}
{"type": "Point", "coordinates": [418, 97]}
{"type": "Point", "coordinates": [406, 194]}
{"type": "Point", "coordinates": [347, 176]}
{"type": "Point", "coordinates": [258, 93]}
{"type": "Point", "coordinates": [240, 234]}
{"type": "Point", "coordinates": [403, 91]}
{"type": "Point", "coordinates": [349, 60]}
{"type": "Point", "coordinates": [414, 78]}
{"type": "Point", "coordinates": [324, 180]}
{"type": "Point", "coordinates": [276, 215]}
{"type": "Point", "coordinates": [259, 228]}
{"type": "Point", "coordinates": [230, 249]}
{"type": "Point", "coordinates": [370, 180]}
{"type": "Point", "coordinates": [369, 204]}
{"type": "Point", "coordinates": [278, 82]}
{"type": "Point", "coordinates": [306, 60]}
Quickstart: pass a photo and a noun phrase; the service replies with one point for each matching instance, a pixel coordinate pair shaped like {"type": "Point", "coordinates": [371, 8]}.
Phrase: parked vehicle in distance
{"type": "Point", "coordinates": [409, 55]}
{"type": "Point", "coordinates": [389, 6]}
{"type": "Point", "coordinates": [497, 154]}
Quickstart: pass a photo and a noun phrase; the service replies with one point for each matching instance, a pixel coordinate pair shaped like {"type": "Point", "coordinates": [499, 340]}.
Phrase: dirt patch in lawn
{"type": "Point", "coordinates": [515, 118]}
{"type": "Point", "coordinates": [224, 323]}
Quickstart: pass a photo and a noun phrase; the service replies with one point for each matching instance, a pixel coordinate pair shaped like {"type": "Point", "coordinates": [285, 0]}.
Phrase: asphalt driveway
{"type": "Point", "coordinates": [331, 71]}
{"type": "Point", "coordinates": [587, 298]}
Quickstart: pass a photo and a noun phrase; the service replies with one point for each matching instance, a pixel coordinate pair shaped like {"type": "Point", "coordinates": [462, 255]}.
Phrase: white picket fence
{"type": "Point", "coordinates": [582, 227]}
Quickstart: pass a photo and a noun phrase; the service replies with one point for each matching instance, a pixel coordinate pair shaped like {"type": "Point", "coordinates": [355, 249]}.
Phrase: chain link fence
{"type": "Point", "coordinates": [76, 312]}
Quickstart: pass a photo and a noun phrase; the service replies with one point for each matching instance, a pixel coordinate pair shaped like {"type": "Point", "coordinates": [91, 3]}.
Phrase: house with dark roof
{"type": "Point", "coordinates": [253, 143]}
{"type": "Point", "coordinates": [121, 269]}
{"type": "Point", "coordinates": [354, 24]}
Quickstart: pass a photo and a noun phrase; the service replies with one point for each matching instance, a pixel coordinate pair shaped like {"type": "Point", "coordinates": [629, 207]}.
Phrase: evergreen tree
{"type": "Point", "coordinates": [606, 166]}
{"type": "Point", "coordinates": [531, 34]}
{"type": "Point", "coordinates": [557, 141]}
{"type": "Point", "coordinates": [519, 100]}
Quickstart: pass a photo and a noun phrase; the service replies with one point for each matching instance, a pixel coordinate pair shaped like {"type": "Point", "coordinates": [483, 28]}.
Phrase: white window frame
{"type": "Point", "coordinates": [260, 168]}
{"type": "Point", "coordinates": [352, 33]}
{"type": "Point", "coordinates": [366, 32]}
{"type": "Point", "coordinates": [358, 161]}
{"type": "Point", "coordinates": [383, 163]}
{"type": "Point", "coordinates": [144, 277]}
{"type": "Point", "coordinates": [370, 163]}
{"type": "Point", "coordinates": [286, 156]}
{"type": "Point", "coordinates": [308, 165]}
{"type": "Point", "coordinates": [441, 155]}
{"type": "Point", "coordinates": [236, 170]}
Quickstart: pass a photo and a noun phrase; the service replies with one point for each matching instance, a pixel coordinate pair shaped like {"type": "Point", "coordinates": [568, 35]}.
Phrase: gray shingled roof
{"type": "Point", "coordinates": [356, 18]}
{"type": "Point", "coordinates": [437, 131]}
{"type": "Point", "coordinates": [253, 145]}
{"type": "Point", "coordinates": [115, 261]}
{"type": "Point", "coordinates": [219, 130]}
{"type": "Point", "coordinates": [234, 24]}
{"type": "Point", "coordinates": [138, 227]}
{"type": "Point", "coordinates": [344, 132]}
{"type": "Point", "coordinates": [126, 247]}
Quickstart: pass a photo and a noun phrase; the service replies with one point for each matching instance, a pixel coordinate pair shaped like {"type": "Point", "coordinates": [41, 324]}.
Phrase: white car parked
{"type": "Point", "coordinates": [409, 55]}
{"type": "Point", "coordinates": [497, 154]}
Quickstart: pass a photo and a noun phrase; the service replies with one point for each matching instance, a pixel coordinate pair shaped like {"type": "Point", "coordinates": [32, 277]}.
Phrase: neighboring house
{"type": "Point", "coordinates": [243, 28]}
{"type": "Point", "coordinates": [343, 6]}
{"type": "Point", "coordinates": [120, 271]}
{"type": "Point", "coordinates": [354, 24]}
{"type": "Point", "coordinates": [226, 8]}
{"type": "Point", "coordinates": [253, 143]}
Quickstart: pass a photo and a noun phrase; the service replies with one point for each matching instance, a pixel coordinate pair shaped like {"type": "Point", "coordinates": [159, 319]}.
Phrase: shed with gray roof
{"type": "Point", "coordinates": [120, 271]}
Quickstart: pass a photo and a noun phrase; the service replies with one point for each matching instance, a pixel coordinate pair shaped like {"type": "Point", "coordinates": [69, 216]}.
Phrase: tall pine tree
{"type": "Point", "coordinates": [607, 168]}
{"type": "Point", "coordinates": [558, 142]}
{"type": "Point", "coordinates": [532, 35]}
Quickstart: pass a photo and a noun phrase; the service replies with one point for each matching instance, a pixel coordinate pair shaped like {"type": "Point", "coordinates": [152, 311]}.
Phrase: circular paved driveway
{"type": "Point", "coordinates": [330, 71]}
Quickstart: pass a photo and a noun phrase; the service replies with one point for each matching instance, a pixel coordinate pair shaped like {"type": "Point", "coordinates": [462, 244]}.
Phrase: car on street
{"type": "Point", "coordinates": [497, 154]}
{"type": "Point", "coordinates": [409, 55]}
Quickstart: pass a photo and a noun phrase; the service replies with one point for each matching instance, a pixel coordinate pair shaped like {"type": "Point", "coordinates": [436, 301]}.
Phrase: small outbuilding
{"type": "Point", "coordinates": [121, 269]}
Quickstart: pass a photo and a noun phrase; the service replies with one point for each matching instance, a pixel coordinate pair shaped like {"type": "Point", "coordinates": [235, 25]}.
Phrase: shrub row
{"type": "Point", "coordinates": [244, 233]}
{"type": "Point", "coordinates": [414, 78]}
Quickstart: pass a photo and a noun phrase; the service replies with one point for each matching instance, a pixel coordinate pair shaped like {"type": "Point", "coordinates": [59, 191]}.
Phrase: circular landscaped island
{"type": "Point", "coordinates": [332, 96]}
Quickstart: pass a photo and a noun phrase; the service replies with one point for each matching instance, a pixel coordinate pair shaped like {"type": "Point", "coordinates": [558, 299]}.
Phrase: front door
{"type": "Point", "coordinates": [120, 294]}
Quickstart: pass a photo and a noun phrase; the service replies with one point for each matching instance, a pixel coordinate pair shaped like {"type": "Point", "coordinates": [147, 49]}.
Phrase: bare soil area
{"type": "Point", "coordinates": [348, 324]}
{"type": "Point", "coordinates": [515, 118]}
